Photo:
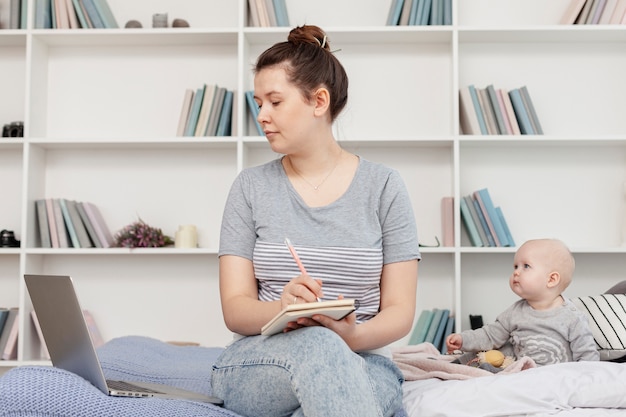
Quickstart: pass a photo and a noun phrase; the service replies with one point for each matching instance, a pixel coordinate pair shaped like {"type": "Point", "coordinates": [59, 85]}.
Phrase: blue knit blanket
{"type": "Point", "coordinates": [42, 391]}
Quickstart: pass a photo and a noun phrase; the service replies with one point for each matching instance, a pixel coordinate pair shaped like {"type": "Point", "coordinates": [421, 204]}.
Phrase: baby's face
{"type": "Point", "coordinates": [530, 272]}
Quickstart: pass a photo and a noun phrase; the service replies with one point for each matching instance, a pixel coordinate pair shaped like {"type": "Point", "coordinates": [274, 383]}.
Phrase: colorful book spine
{"type": "Point", "coordinates": [470, 227]}
{"type": "Point", "coordinates": [523, 119]}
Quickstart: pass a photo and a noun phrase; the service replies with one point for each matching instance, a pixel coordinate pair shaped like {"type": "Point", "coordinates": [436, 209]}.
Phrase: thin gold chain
{"type": "Point", "coordinates": [316, 187]}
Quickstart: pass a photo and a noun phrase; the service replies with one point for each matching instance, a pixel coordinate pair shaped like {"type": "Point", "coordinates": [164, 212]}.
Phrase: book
{"type": "Point", "coordinates": [10, 348]}
{"type": "Point", "coordinates": [505, 226]}
{"type": "Point", "coordinates": [282, 17]}
{"type": "Point", "coordinates": [478, 109]}
{"type": "Point", "coordinates": [420, 329]}
{"type": "Point", "coordinates": [447, 12]}
{"type": "Point", "coordinates": [503, 111]}
{"type": "Point", "coordinates": [105, 13]}
{"type": "Point", "coordinates": [336, 309]}
{"type": "Point", "coordinates": [91, 231]}
{"type": "Point", "coordinates": [415, 10]}
{"type": "Point", "coordinates": [4, 313]}
{"type": "Point", "coordinates": [54, 236]}
{"type": "Point", "coordinates": [571, 13]}
{"type": "Point", "coordinates": [510, 113]}
{"type": "Point", "coordinates": [468, 115]}
{"type": "Point", "coordinates": [85, 14]}
{"type": "Point", "coordinates": [10, 322]}
{"type": "Point", "coordinates": [434, 325]}
{"type": "Point", "coordinates": [214, 114]}
{"type": "Point", "coordinates": [393, 18]}
{"type": "Point", "coordinates": [264, 19]}
{"type": "Point", "coordinates": [619, 13]}
{"type": "Point", "coordinates": [495, 105]}
{"type": "Point", "coordinates": [92, 13]}
{"type": "Point", "coordinates": [584, 13]}
{"type": "Point", "coordinates": [42, 223]}
{"type": "Point", "coordinates": [405, 14]}
{"type": "Point", "coordinates": [62, 232]}
{"type": "Point", "coordinates": [436, 13]}
{"type": "Point", "coordinates": [15, 11]}
{"type": "Point", "coordinates": [447, 221]}
{"type": "Point", "coordinates": [424, 18]}
{"type": "Point", "coordinates": [487, 108]}
{"type": "Point", "coordinates": [530, 108]}
{"type": "Point", "coordinates": [184, 112]}
{"type": "Point", "coordinates": [271, 13]}
{"type": "Point", "coordinates": [69, 224]}
{"type": "Point", "coordinates": [63, 19]}
{"type": "Point", "coordinates": [523, 118]}
{"type": "Point", "coordinates": [80, 14]}
{"type": "Point", "coordinates": [79, 226]}
{"type": "Point", "coordinates": [44, 348]}
{"type": "Point", "coordinates": [254, 111]}
{"type": "Point", "coordinates": [253, 14]}
{"type": "Point", "coordinates": [596, 12]}
{"type": "Point", "coordinates": [23, 14]}
{"type": "Point", "coordinates": [447, 332]}
{"type": "Point", "coordinates": [469, 200]}
{"type": "Point", "coordinates": [194, 111]}
{"type": "Point", "coordinates": [609, 7]}
{"type": "Point", "coordinates": [441, 328]}
{"type": "Point", "coordinates": [493, 220]}
{"type": "Point", "coordinates": [98, 223]}
{"type": "Point", "coordinates": [71, 13]}
{"type": "Point", "coordinates": [483, 222]}
{"type": "Point", "coordinates": [205, 109]}
{"type": "Point", "coordinates": [225, 120]}
{"type": "Point", "coordinates": [470, 226]}
{"type": "Point", "coordinates": [42, 14]}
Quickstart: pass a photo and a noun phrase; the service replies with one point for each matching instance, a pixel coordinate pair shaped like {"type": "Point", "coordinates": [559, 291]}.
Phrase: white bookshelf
{"type": "Point", "coordinates": [101, 109]}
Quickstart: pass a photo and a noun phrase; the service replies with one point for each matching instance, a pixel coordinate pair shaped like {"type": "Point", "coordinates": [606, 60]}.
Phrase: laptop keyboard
{"type": "Point", "coordinates": [127, 386]}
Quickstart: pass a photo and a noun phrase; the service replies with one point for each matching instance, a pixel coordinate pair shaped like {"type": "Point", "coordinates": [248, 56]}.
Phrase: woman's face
{"type": "Point", "coordinates": [285, 116]}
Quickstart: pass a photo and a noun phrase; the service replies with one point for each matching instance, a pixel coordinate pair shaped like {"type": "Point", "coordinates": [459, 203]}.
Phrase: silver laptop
{"type": "Point", "coordinates": [71, 348]}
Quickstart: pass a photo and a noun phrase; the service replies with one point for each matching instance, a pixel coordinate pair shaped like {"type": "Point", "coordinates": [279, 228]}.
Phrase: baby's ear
{"type": "Point", "coordinates": [554, 279]}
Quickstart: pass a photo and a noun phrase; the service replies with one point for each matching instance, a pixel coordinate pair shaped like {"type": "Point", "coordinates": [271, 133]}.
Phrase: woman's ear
{"type": "Point", "coordinates": [321, 98]}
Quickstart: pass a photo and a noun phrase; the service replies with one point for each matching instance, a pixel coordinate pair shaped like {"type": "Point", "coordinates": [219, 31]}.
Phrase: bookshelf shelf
{"type": "Point", "coordinates": [101, 108]}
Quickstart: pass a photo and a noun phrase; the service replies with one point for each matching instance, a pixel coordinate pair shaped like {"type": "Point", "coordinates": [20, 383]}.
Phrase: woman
{"type": "Point", "coordinates": [352, 223]}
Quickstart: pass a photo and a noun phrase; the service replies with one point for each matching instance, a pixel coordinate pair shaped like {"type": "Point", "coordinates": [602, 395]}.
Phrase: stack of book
{"type": "Point", "coordinates": [9, 325]}
{"type": "Point", "coordinates": [491, 111]}
{"type": "Point", "coordinates": [267, 13]}
{"type": "Point", "coordinates": [65, 223]}
{"type": "Point", "coordinates": [433, 326]}
{"type": "Point", "coordinates": [420, 12]}
{"type": "Point", "coordinates": [18, 12]}
{"type": "Point", "coordinates": [206, 112]}
{"type": "Point", "coordinates": [595, 12]}
{"type": "Point", "coordinates": [485, 223]}
{"type": "Point", "coordinates": [73, 14]}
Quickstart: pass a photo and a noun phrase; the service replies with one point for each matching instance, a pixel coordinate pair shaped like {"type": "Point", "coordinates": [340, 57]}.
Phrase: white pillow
{"type": "Point", "coordinates": [607, 319]}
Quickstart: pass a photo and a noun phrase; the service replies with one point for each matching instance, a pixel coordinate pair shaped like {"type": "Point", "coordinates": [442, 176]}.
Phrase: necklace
{"type": "Point", "coordinates": [316, 187]}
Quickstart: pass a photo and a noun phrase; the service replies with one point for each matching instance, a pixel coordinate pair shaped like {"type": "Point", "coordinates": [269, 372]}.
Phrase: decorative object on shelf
{"type": "Point", "coordinates": [13, 130]}
{"type": "Point", "coordinates": [133, 24]}
{"type": "Point", "coordinates": [186, 236]}
{"type": "Point", "coordinates": [159, 20]}
{"type": "Point", "coordinates": [180, 23]}
{"type": "Point", "coordinates": [7, 239]}
{"type": "Point", "coordinates": [141, 235]}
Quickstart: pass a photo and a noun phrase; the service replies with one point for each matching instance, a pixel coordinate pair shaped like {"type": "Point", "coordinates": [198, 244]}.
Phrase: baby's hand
{"type": "Point", "coordinates": [454, 342]}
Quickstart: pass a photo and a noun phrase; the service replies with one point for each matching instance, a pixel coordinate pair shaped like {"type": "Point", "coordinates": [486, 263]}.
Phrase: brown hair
{"type": "Point", "coordinates": [309, 64]}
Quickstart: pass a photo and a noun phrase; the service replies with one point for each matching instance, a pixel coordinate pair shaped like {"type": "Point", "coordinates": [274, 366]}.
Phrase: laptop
{"type": "Point", "coordinates": [71, 348]}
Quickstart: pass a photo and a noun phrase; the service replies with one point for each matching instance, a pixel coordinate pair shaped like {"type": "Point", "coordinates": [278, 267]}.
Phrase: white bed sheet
{"type": "Point", "coordinates": [573, 389]}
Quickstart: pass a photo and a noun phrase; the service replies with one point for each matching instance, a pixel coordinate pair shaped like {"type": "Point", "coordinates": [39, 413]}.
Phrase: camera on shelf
{"type": "Point", "coordinates": [7, 239]}
{"type": "Point", "coordinates": [13, 130]}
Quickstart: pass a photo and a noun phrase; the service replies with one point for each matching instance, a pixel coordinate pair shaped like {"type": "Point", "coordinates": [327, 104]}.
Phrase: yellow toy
{"type": "Point", "coordinates": [495, 358]}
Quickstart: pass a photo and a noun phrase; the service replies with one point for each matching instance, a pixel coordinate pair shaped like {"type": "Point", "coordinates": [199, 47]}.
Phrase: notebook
{"type": "Point", "coordinates": [71, 348]}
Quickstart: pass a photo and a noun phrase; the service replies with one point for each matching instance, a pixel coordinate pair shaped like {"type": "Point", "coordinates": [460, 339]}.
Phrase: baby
{"type": "Point", "coordinates": [543, 325]}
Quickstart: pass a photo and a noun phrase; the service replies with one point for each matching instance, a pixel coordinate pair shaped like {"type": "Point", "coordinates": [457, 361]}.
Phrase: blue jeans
{"type": "Point", "coordinates": [307, 372]}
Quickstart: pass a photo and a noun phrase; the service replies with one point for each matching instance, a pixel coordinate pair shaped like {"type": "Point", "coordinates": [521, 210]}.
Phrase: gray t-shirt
{"type": "Point", "coordinates": [557, 335]}
{"type": "Point", "coordinates": [345, 243]}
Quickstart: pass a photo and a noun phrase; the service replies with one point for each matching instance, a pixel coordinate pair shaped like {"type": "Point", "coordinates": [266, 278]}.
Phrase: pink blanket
{"type": "Point", "coordinates": [424, 361]}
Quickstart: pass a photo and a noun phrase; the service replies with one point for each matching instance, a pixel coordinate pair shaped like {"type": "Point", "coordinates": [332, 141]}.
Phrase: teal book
{"type": "Point", "coordinates": [424, 17]}
{"type": "Point", "coordinates": [94, 16]}
{"type": "Point", "coordinates": [106, 15]}
{"type": "Point", "coordinates": [530, 109]}
{"type": "Point", "coordinates": [421, 327]}
{"type": "Point", "coordinates": [441, 328]}
{"type": "Point", "coordinates": [280, 9]}
{"type": "Point", "coordinates": [434, 325]}
{"type": "Point", "coordinates": [225, 121]}
{"type": "Point", "coordinates": [470, 227]}
{"type": "Point", "coordinates": [505, 226]}
{"type": "Point", "coordinates": [80, 14]}
{"type": "Point", "coordinates": [469, 200]}
{"type": "Point", "coordinates": [523, 119]}
{"type": "Point", "coordinates": [194, 111]}
{"type": "Point", "coordinates": [254, 110]}
{"type": "Point", "coordinates": [43, 14]}
{"type": "Point", "coordinates": [447, 12]}
{"type": "Point", "coordinates": [69, 224]}
{"type": "Point", "coordinates": [478, 109]}
{"type": "Point", "coordinates": [495, 104]}
{"type": "Point", "coordinates": [449, 330]}
{"type": "Point", "coordinates": [493, 220]}
{"type": "Point", "coordinates": [393, 18]}
{"type": "Point", "coordinates": [4, 313]}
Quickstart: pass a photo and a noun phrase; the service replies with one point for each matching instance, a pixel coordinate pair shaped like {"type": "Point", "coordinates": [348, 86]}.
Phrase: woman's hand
{"type": "Point", "coordinates": [301, 289]}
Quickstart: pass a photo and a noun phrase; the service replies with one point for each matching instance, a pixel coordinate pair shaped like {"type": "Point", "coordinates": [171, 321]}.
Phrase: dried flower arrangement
{"type": "Point", "coordinates": [141, 235]}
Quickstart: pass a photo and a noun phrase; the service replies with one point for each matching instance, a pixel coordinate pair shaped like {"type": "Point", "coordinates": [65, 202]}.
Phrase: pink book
{"type": "Point", "coordinates": [98, 223]}
{"type": "Point", "coordinates": [10, 350]}
{"type": "Point", "coordinates": [447, 221]}
{"type": "Point", "coordinates": [510, 112]}
{"type": "Point", "coordinates": [505, 114]}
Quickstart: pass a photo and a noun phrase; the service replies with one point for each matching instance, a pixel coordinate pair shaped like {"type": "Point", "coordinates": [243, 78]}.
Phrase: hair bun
{"type": "Point", "coordinates": [309, 34]}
